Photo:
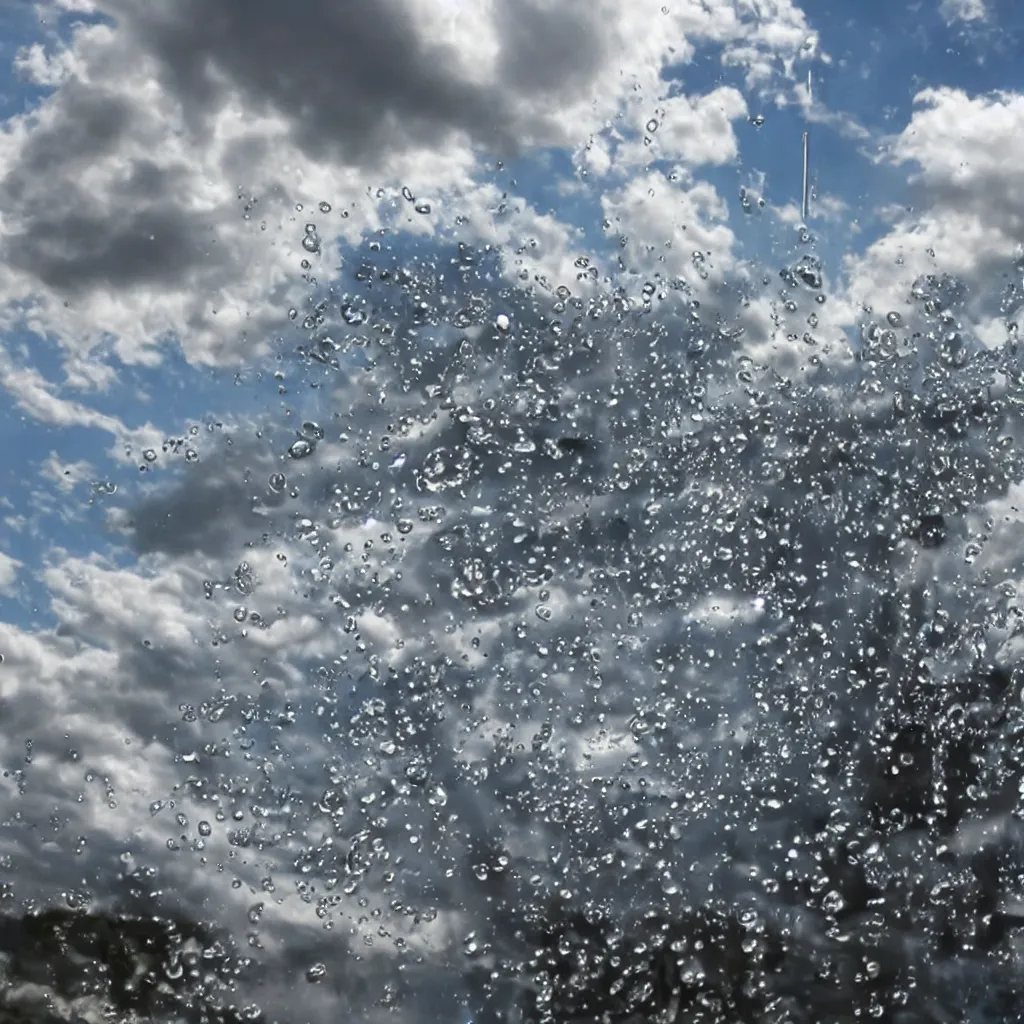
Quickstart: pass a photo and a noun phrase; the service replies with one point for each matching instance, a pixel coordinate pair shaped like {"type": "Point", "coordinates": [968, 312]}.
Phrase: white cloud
{"type": "Point", "coordinates": [67, 475]}
{"type": "Point", "coordinates": [38, 66]}
{"type": "Point", "coordinates": [827, 208]}
{"type": "Point", "coordinates": [968, 215]}
{"type": "Point", "coordinates": [8, 573]}
{"type": "Point", "coordinates": [693, 129]}
{"type": "Point", "coordinates": [673, 225]}
{"type": "Point", "coordinates": [35, 396]}
{"type": "Point", "coordinates": [963, 10]}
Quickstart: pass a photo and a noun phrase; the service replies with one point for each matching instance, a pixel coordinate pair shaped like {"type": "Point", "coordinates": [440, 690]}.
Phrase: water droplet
{"type": "Point", "coordinates": [325, 207]}
{"type": "Point", "coordinates": [300, 449]}
{"type": "Point", "coordinates": [353, 316]}
{"type": "Point", "coordinates": [757, 120]}
{"type": "Point", "coordinates": [953, 351]}
{"type": "Point", "coordinates": [360, 855]}
{"type": "Point", "coordinates": [809, 271]}
{"type": "Point", "coordinates": [312, 431]}
{"type": "Point", "coordinates": [437, 795]}
{"type": "Point", "coordinates": [316, 973]}
{"type": "Point", "coordinates": [502, 322]}
{"type": "Point", "coordinates": [422, 207]}
{"type": "Point", "coordinates": [832, 902]}
{"type": "Point", "coordinates": [149, 455]}
{"type": "Point", "coordinates": [277, 482]}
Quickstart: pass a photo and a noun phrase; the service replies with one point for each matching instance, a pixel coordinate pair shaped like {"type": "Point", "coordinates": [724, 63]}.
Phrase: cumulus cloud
{"type": "Point", "coordinates": [694, 129]}
{"type": "Point", "coordinates": [672, 224]}
{"type": "Point", "coordinates": [963, 10]}
{"type": "Point", "coordinates": [967, 214]}
{"type": "Point", "coordinates": [118, 194]}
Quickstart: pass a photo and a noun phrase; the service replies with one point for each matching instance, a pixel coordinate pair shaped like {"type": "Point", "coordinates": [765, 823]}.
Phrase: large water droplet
{"type": "Point", "coordinates": [832, 902]}
{"type": "Point", "coordinates": [809, 271]}
{"type": "Point", "coordinates": [353, 315]}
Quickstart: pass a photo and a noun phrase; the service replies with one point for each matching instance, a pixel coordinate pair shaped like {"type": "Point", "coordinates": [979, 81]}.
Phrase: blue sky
{"type": "Point", "coordinates": [512, 492]}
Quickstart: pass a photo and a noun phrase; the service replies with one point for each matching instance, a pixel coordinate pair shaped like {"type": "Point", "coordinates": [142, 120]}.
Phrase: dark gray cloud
{"type": "Point", "coordinates": [551, 50]}
{"type": "Point", "coordinates": [355, 84]}
{"type": "Point", "coordinates": [217, 512]}
{"type": "Point", "coordinates": [361, 82]}
{"type": "Point", "coordinates": [93, 122]}
{"type": "Point", "coordinates": [76, 238]}
{"type": "Point", "coordinates": [74, 251]}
